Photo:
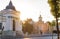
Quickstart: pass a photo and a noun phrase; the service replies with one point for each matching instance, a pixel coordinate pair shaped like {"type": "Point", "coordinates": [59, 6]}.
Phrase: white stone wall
{"type": "Point", "coordinates": [18, 25]}
{"type": "Point", "coordinates": [8, 24]}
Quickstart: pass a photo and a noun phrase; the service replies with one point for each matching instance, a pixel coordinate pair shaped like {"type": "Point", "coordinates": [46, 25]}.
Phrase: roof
{"type": "Point", "coordinates": [10, 6]}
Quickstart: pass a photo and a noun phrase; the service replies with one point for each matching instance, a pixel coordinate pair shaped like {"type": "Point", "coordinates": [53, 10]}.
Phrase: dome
{"type": "Point", "coordinates": [10, 6]}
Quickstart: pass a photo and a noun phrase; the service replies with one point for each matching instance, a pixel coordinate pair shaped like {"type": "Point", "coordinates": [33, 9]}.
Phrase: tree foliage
{"type": "Point", "coordinates": [53, 23]}
{"type": "Point", "coordinates": [54, 4]}
{"type": "Point", "coordinates": [27, 27]}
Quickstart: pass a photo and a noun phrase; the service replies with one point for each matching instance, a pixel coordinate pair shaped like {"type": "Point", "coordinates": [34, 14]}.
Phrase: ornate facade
{"type": "Point", "coordinates": [40, 27]}
{"type": "Point", "coordinates": [10, 20]}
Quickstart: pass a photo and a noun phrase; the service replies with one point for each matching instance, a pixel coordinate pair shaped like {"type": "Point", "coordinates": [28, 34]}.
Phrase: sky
{"type": "Point", "coordinates": [30, 9]}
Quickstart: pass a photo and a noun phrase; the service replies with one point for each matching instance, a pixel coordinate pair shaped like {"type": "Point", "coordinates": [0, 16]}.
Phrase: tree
{"type": "Point", "coordinates": [49, 23]}
{"type": "Point", "coordinates": [27, 27]}
{"type": "Point", "coordinates": [53, 23]}
{"type": "Point", "coordinates": [54, 4]}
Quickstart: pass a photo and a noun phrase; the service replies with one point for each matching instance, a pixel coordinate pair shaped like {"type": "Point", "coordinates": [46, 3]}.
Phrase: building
{"type": "Point", "coordinates": [40, 27]}
{"type": "Point", "coordinates": [10, 21]}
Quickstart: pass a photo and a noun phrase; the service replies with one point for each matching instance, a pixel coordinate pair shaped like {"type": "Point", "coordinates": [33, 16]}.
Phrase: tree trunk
{"type": "Point", "coordinates": [57, 27]}
{"type": "Point", "coordinates": [56, 13]}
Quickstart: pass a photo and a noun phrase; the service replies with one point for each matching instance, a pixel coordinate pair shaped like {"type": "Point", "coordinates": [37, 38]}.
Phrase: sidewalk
{"type": "Point", "coordinates": [10, 37]}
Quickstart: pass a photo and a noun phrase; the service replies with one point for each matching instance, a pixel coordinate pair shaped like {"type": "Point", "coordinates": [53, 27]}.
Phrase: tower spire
{"type": "Point", "coordinates": [10, 6]}
{"type": "Point", "coordinates": [40, 18]}
{"type": "Point", "coordinates": [10, 3]}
